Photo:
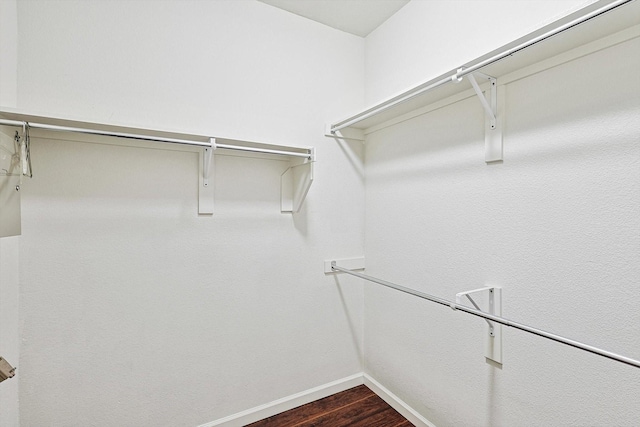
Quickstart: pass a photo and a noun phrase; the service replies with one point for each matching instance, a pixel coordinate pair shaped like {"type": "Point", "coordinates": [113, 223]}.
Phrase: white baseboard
{"type": "Point", "coordinates": [277, 406]}
{"type": "Point", "coordinates": [396, 403]}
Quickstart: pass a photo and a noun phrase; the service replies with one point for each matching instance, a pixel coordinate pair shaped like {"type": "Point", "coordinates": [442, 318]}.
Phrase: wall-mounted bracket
{"type": "Point", "coordinates": [348, 263]}
{"type": "Point", "coordinates": [490, 297]}
{"type": "Point", "coordinates": [295, 183]}
{"type": "Point", "coordinates": [207, 160]}
{"type": "Point", "coordinates": [489, 109]}
{"type": "Point", "coordinates": [346, 133]}
{"type": "Point", "coordinates": [494, 108]}
{"type": "Point", "coordinates": [206, 186]}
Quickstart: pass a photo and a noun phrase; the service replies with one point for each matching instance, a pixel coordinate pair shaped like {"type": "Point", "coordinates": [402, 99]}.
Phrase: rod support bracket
{"type": "Point", "coordinates": [493, 105]}
{"type": "Point", "coordinates": [205, 174]}
{"type": "Point", "coordinates": [492, 298]}
{"type": "Point", "coordinates": [456, 78]}
{"type": "Point", "coordinates": [348, 263]}
{"type": "Point", "coordinates": [490, 109]}
{"type": "Point", "coordinates": [207, 159]}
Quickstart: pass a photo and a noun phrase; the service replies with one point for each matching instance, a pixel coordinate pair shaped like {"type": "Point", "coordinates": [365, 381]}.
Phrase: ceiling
{"type": "Point", "coordinates": [359, 17]}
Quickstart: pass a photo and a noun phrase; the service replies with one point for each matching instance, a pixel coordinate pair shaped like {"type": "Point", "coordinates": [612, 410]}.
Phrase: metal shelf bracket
{"type": "Point", "coordinates": [492, 298]}
{"type": "Point", "coordinates": [207, 159]}
{"type": "Point", "coordinates": [492, 106]}
{"type": "Point", "coordinates": [295, 183]}
{"type": "Point", "coordinates": [489, 109]}
{"type": "Point", "coordinates": [206, 188]}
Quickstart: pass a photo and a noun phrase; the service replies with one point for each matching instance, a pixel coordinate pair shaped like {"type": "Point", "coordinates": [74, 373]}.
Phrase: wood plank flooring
{"type": "Point", "coordinates": [356, 407]}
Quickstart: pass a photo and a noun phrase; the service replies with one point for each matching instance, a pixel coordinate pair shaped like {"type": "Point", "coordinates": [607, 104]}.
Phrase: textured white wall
{"type": "Point", "coordinates": [428, 38]}
{"type": "Point", "coordinates": [9, 327]}
{"type": "Point", "coordinates": [8, 52]}
{"type": "Point", "coordinates": [147, 314]}
{"type": "Point", "coordinates": [232, 67]}
{"type": "Point", "coordinates": [135, 311]}
{"type": "Point", "coordinates": [9, 317]}
{"type": "Point", "coordinates": [556, 225]}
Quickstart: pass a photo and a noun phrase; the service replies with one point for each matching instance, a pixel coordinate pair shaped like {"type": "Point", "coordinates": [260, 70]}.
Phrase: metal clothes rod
{"type": "Point", "coordinates": [542, 37]}
{"type": "Point", "coordinates": [465, 71]}
{"type": "Point", "coordinates": [497, 319]}
{"type": "Point", "coordinates": [264, 150]}
{"type": "Point", "coordinates": [87, 131]}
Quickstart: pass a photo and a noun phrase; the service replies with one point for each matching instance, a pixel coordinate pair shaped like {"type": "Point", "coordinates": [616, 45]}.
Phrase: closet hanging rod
{"type": "Point", "coordinates": [584, 18]}
{"type": "Point", "coordinates": [307, 155]}
{"type": "Point", "coordinates": [497, 319]}
{"type": "Point", "coordinates": [464, 71]}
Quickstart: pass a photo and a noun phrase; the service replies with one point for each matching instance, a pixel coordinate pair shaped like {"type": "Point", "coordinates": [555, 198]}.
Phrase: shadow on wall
{"type": "Point", "coordinates": [434, 143]}
{"type": "Point", "coordinates": [301, 218]}
{"type": "Point", "coordinates": [353, 153]}
{"type": "Point", "coordinates": [353, 329]}
{"type": "Point", "coordinates": [544, 118]}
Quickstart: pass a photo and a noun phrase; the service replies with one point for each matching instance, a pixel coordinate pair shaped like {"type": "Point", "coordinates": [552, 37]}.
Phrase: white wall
{"type": "Point", "coordinates": [556, 225]}
{"type": "Point", "coordinates": [9, 320]}
{"type": "Point", "coordinates": [428, 38]}
{"type": "Point", "coordinates": [8, 52]}
{"type": "Point", "coordinates": [137, 312]}
{"type": "Point", "coordinates": [134, 310]}
{"type": "Point", "coordinates": [9, 327]}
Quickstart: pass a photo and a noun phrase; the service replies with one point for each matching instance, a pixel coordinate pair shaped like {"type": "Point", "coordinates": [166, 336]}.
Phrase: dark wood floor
{"type": "Point", "coordinates": [356, 407]}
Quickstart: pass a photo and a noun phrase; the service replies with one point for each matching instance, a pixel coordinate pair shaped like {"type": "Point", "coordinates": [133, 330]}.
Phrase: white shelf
{"type": "Point", "coordinates": [527, 55]}
{"type": "Point", "coordinates": [296, 180]}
